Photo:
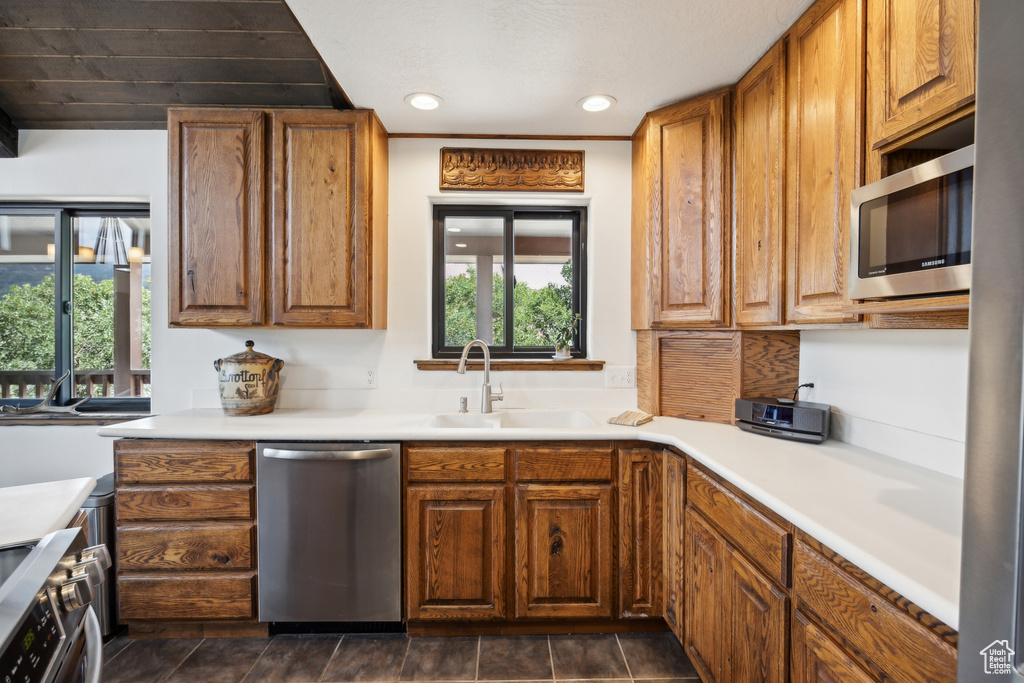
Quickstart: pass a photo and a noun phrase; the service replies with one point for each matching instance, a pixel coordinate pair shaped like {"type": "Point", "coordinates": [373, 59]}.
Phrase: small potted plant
{"type": "Point", "coordinates": [560, 334]}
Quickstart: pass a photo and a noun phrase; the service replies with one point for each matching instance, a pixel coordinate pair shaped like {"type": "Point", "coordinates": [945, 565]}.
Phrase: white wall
{"type": "Point", "coordinates": [899, 392]}
{"type": "Point", "coordinates": [323, 368]}
{"type": "Point", "coordinates": [81, 165]}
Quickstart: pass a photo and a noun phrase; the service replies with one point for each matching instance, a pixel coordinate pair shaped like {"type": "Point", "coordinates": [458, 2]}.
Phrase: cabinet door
{"type": "Point", "coordinates": [920, 63]}
{"type": "Point", "coordinates": [321, 264]}
{"type": "Point", "coordinates": [825, 142]}
{"type": "Point", "coordinates": [757, 613]}
{"type": "Point", "coordinates": [640, 532]}
{"type": "Point", "coordinates": [682, 220]}
{"type": "Point", "coordinates": [674, 509]}
{"type": "Point", "coordinates": [705, 637]}
{"type": "Point", "coordinates": [563, 550]}
{"type": "Point", "coordinates": [816, 658]}
{"type": "Point", "coordinates": [455, 552]}
{"type": "Point", "coordinates": [760, 147]}
{"type": "Point", "coordinates": [215, 217]}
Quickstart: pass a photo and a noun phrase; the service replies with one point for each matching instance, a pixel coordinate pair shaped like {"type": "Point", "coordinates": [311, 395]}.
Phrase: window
{"type": "Point", "coordinates": [74, 295]}
{"type": "Point", "coordinates": [513, 277]}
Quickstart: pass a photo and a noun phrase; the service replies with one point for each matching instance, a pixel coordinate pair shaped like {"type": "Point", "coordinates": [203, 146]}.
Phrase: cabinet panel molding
{"type": "Point", "coordinates": [455, 552]}
{"type": "Point", "coordinates": [825, 149]}
{"type": "Point", "coordinates": [563, 550]}
{"type": "Point", "coordinates": [215, 217]}
{"type": "Point", "coordinates": [641, 540]}
{"type": "Point", "coordinates": [760, 168]}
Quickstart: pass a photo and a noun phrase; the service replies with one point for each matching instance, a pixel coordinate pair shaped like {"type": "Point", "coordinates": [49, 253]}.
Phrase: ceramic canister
{"type": "Point", "coordinates": [248, 382]}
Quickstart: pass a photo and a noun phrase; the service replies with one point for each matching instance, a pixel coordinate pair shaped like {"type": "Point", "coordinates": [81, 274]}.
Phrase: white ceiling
{"type": "Point", "coordinates": [518, 67]}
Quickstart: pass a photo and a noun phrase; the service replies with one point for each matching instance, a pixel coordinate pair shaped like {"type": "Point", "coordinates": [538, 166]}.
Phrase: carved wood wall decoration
{"type": "Point", "coordinates": [536, 170]}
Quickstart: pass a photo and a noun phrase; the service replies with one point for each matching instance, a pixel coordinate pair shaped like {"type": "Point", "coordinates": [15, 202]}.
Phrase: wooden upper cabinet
{"type": "Point", "coordinates": [760, 153]}
{"type": "Point", "coordinates": [215, 217]}
{"type": "Point", "coordinates": [328, 229]}
{"type": "Point", "coordinates": [920, 63]}
{"type": "Point", "coordinates": [825, 149]}
{"type": "Point", "coordinates": [681, 202]}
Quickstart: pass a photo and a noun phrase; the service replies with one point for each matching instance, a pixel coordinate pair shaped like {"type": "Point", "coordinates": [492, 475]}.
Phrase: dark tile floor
{"type": "Point", "coordinates": [626, 658]}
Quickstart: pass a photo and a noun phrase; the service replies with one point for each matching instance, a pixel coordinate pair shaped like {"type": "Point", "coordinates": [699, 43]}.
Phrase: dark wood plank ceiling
{"type": "Point", "coordinates": [118, 64]}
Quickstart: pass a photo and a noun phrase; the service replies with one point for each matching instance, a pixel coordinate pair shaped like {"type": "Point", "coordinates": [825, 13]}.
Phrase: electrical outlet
{"type": "Point", "coordinates": [810, 393]}
{"type": "Point", "coordinates": [370, 378]}
{"type": "Point", "coordinates": [620, 377]}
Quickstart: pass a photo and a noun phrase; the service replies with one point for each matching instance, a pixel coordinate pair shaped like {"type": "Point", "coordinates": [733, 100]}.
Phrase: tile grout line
{"type": "Point", "coordinates": [551, 658]}
{"type": "Point", "coordinates": [476, 674]}
{"type": "Point", "coordinates": [405, 657]}
{"type": "Point", "coordinates": [270, 639]}
{"type": "Point", "coordinates": [178, 665]}
{"type": "Point", "coordinates": [330, 659]}
{"type": "Point", "coordinates": [629, 672]}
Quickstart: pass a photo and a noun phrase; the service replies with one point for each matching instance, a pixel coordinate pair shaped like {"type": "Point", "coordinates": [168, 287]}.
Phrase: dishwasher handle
{"type": "Point", "coordinates": [328, 454]}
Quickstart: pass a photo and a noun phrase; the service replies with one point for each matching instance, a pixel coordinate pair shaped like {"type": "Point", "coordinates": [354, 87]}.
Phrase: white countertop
{"type": "Point", "coordinates": [31, 511]}
{"type": "Point", "coordinates": [897, 521]}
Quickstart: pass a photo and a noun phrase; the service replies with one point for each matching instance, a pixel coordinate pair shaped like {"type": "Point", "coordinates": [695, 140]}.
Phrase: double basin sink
{"type": "Point", "coordinates": [513, 419]}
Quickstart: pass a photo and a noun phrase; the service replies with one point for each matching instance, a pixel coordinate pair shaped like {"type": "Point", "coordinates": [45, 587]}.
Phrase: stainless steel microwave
{"type": "Point", "coordinates": [910, 233]}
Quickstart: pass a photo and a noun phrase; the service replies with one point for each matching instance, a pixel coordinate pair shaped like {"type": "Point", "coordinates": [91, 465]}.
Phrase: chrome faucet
{"type": "Point", "coordinates": [486, 396]}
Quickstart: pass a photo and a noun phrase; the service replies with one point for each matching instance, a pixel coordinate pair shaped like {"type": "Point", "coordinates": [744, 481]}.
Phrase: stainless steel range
{"type": "Point", "coordinates": [48, 629]}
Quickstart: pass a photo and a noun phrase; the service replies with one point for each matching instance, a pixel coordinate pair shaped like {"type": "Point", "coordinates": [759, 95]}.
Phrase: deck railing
{"type": "Point", "coordinates": [97, 383]}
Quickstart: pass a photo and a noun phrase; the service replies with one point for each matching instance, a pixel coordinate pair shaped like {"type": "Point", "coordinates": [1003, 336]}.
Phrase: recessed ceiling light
{"type": "Point", "coordinates": [423, 100]}
{"type": "Point", "coordinates": [596, 102]}
{"type": "Point", "coordinates": [454, 229]}
{"type": "Point", "coordinates": [460, 246]}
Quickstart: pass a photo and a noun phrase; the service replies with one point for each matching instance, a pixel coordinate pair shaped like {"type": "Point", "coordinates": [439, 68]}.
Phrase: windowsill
{"type": "Point", "coordinates": [41, 419]}
{"type": "Point", "coordinates": [539, 364]}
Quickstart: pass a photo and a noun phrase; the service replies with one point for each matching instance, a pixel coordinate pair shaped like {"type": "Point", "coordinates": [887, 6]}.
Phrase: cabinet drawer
{"type": "Point", "coordinates": [889, 640]}
{"type": "Point", "coordinates": [765, 542]}
{"type": "Point", "coordinates": [184, 596]}
{"type": "Point", "coordinates": [156, 462]}
{"type": "Point", "coordinates": [440, 464]}
{"type": "Point", "coordinates": [185, 502]}
{"type": "Point", "coordinates": [563, 464]}
{"type": "Point", "coordinates": [175, 547]}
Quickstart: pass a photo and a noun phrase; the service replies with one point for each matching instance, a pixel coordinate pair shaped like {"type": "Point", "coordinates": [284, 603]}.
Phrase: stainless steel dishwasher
{"type": "Point", "coordinates": [329, 532]}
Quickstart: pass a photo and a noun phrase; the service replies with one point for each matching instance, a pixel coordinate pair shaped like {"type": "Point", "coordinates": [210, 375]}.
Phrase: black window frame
{"type": "Point", "coordinates": [63, 308]}
{"type": "Point", "coordinates": [510, 212]}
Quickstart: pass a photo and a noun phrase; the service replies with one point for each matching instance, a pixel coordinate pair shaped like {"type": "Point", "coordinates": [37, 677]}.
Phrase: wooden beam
{"type": "Point", "coordinates": [8, 136]}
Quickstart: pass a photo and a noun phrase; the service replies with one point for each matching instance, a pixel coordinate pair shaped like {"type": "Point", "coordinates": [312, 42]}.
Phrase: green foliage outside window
{"type": "Point", "coordinates": [27, 325]}
{"type": "Point", "coordinates": [540, 315]}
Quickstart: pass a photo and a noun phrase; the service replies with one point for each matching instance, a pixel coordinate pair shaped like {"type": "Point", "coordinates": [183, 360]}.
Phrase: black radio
{"type": "Point", "coordinates": [796, 420]}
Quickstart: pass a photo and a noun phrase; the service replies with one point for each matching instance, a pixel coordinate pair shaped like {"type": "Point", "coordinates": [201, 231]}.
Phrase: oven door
{"type": "Point", "coordinates": [82, 660]}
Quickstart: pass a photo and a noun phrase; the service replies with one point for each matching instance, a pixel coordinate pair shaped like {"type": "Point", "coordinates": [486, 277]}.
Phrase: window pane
{"type": "Point", "coordinates": [26, 305]}
{"type": "Point", "coordinates": [542, 297]}
{"type": "Point", "coordinates": [111, 295]}
{"type": "Point", "coordinates": [474, 284]}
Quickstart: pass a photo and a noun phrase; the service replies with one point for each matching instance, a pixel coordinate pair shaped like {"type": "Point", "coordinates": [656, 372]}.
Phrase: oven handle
{"type": "Point", "coordinates": [93, 647]}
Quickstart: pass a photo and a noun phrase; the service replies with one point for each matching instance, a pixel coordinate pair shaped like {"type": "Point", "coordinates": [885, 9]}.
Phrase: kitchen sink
{"type": "Point", "coordinates": [513, 419]}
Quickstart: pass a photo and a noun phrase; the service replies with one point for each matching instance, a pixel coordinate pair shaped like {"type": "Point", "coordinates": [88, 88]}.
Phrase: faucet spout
{"type": "Point", "coordinates": [487, 397]}
{"type": "Point", "coordinates": [487, 359]}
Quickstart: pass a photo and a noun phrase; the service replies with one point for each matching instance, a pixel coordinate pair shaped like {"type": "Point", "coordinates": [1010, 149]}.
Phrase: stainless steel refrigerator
{"type": "Point", "coordinates": [991, 627]}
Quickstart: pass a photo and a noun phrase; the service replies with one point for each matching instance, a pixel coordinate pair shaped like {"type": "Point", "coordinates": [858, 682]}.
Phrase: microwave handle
{"type": "Point", "coordinates": [93, 647]}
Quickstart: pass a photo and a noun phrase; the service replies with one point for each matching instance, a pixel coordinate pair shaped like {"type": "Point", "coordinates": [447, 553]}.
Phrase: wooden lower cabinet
{"type": "Point", "coordinates": [640, 532]}
{"type": "Point", "coordinates": [704, 598]}
{"type": "Point", "coordinates": [673, 513]}
{"type": "Point", "coordinates": [186, 531]}
{"type": "Point", "coordinates": [817, 658]}
{"type": "Point", "coordinates": [455, 552]}
{"type": "Point", "coordinates": [757, 614]}
{"type": "Point", "coordinates": [563, 550]}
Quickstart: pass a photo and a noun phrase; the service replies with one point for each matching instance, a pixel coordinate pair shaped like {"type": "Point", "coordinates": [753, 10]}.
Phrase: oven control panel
{"type": "Point", "coordinates": [34, 646]}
